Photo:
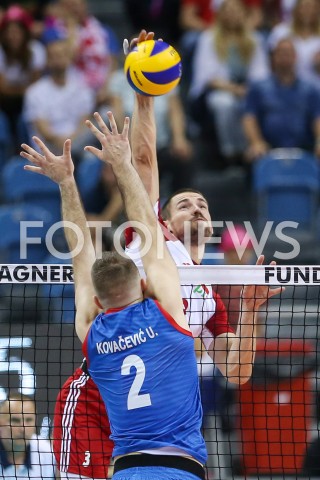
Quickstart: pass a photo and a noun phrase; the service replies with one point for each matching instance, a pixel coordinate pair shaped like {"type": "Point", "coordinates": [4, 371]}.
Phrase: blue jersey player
{"type": "Point", "coordinates": [140, 350]}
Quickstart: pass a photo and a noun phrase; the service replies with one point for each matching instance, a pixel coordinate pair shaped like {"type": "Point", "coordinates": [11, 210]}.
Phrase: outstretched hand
{"type": "Point", "coordinates": [142, 37]}
{"type": "Point", "coordinates": [115, 146]}
{"type": "Point", "coordinates": [128, 46]}
{"type": "Point", "coordinates": [58, 168]}
{"type": "Point", "coordinates": [254, 296]}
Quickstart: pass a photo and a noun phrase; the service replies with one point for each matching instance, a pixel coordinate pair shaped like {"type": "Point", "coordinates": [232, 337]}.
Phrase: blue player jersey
{"type": "Point", "coordinates": [144, 365]}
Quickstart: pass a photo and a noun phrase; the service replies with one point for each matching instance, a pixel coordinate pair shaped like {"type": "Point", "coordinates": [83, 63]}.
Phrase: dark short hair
{"type": "Point", "coordinates": [275, 44]}
{"type": "Point", "coordinates": [165, 210]}
{"type": "Point", "coordinates": [15, 395]}
{"type": "Point", "coordinates": [111, 271]}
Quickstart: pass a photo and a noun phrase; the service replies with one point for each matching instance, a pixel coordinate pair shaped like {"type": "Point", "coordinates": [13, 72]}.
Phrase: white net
{"type": "Point", "coordinates": [267, 427]}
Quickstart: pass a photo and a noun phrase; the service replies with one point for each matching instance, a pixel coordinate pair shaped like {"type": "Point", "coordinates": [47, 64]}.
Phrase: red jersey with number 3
{"type": "Point", "coordinates": [81, 432]}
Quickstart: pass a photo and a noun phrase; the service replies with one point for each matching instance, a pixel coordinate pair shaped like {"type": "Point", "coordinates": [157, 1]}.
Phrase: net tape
{"type": "Point", "coordinates": [209, 274]}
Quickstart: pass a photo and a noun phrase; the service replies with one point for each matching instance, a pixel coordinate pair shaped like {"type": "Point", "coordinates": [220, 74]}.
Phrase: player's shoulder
{"type": "Point", "coordinates": [75, 376]}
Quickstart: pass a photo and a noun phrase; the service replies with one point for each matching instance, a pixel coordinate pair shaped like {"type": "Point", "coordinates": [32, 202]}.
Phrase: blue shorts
{"type": "Point", "coordinates": [153, 473]}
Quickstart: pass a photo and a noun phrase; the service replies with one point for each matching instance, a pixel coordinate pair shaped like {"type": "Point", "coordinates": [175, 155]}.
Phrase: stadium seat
{"type": "Point", "coordinates": [5, 139]}
{"type": "Point", "coordinates": [58, 299]}
{"type": "Point", "coordinates": [112, 40]}
{"type": "Point", "coordinates": [88, 175]}
{"type": "Point", "coordinates": [227, 193]}
{"type": "Point", "coordinates": [30, 188]}
{"type": "Point", "coordinates": [286, 183]}
{"type": "Point", "coordinates": [11, 237]}
{"type": "Point", "coordinates": [23, 131]}
{"type": "Point", "coordinates": [18, 302]}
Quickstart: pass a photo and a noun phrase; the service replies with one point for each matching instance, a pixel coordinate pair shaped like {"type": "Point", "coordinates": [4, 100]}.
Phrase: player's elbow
{"type": "Point", "coordinates": [241, 376]}
{"type": "Point", "coordinates": [143, 155]}
{"type": "Point", "coordinates": [238, 380]}
{"type": "Point", "coordinates": [244, 379]}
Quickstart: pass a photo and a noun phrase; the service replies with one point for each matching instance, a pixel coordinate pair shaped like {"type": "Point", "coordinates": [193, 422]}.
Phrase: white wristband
{"type": "Point", "coordinates": [125, 45]}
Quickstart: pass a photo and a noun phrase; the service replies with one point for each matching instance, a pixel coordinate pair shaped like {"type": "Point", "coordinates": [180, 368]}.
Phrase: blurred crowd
{"type": "Point", "coordinates": [250, 84]}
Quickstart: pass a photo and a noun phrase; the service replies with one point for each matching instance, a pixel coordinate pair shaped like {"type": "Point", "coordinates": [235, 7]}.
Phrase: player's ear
{"type": "Point", "coordinates": [97, 302]}
{"type": "Point", "coordinates": [166, 223]}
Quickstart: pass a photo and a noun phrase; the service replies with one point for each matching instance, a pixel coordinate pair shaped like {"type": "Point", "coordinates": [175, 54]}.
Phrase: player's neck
{"type": "Point", "coordinates": [196, 252]}
{"type": "Point", "coordinates": [120, 305]}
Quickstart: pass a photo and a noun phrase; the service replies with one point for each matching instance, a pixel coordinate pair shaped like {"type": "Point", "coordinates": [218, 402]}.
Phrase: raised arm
{"type": "Point", "coordinates": [143, 137]}
{"type": "Point", "coordinates": [162, 274]}
{"type": "Point", "coordinates": [234, 354]}
{"type": "Point", "coordinates": [61, 170]}
{"type": "Point", "coordinates": [143, 141]}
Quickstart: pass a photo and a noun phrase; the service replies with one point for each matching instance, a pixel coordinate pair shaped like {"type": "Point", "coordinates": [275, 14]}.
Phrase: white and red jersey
{"type": "Point", "coordinates": [81, 442]}
{"type": "Point", "coordinates": [204, 309]}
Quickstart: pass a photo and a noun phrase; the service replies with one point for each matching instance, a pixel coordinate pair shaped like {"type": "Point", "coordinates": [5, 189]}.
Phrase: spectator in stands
{"type": "Point", "coordinates": [57, 105]}
{"type": "Point", "coordinates": [315, 73]}
{"type": "Point", "coordinates": [30, 5]}
{"type": "Point", "coordinates": [304, 28]}
{"type": "Point", "coordinates": [226, 58]}
{"type": "Point", "coordinates": [271, 15]}
{"type": "Point", "coordinates": [93, 45]}
{"type": "Point", "coordinates": [282, 111]}
{"type": "Point", "coordinates": [105, 203]}
{"type": "Point", "coordinates": [35, 8]}
{"type": "Point", "coordinates": [22, 61]}
{"type": "Point", "coordinates": [286, 8]}
{"type": "Point", "coordinates": [23, 454]}
{"type": "Point", "coordinates": [254, 11]}
{"type": "Point", "coordinates": [197, 16]}
{"type": "Point", "coordinates": [276, 11]}
{"type": "Point", "coordinates": [174, 150]}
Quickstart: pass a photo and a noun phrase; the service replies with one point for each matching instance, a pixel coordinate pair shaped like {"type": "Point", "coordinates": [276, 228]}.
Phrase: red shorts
{"type": "Point", "coordinates": [81, 430]}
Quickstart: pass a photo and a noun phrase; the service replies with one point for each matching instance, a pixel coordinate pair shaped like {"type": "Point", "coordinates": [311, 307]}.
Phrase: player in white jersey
{"type": "Point", "coordinates": [204, 308]}
{"type": "Point", "coordinates": [232, 353]}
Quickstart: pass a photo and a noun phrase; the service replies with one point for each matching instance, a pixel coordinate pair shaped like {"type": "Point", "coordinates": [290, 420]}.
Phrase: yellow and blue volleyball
{"type": "Point", "coordinates": [153, 68]}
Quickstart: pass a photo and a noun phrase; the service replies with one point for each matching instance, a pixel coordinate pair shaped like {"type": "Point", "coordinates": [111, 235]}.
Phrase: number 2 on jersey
{"type": "Point", "coordinates": [134, 399]}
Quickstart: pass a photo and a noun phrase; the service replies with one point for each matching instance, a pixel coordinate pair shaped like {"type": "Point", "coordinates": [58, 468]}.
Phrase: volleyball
{"type": "Point", "coordinates": [153, 68]}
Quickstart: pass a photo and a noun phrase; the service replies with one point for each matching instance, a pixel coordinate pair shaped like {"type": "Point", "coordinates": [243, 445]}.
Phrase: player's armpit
{"type": "Point", "coordinates": [86, 311]}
